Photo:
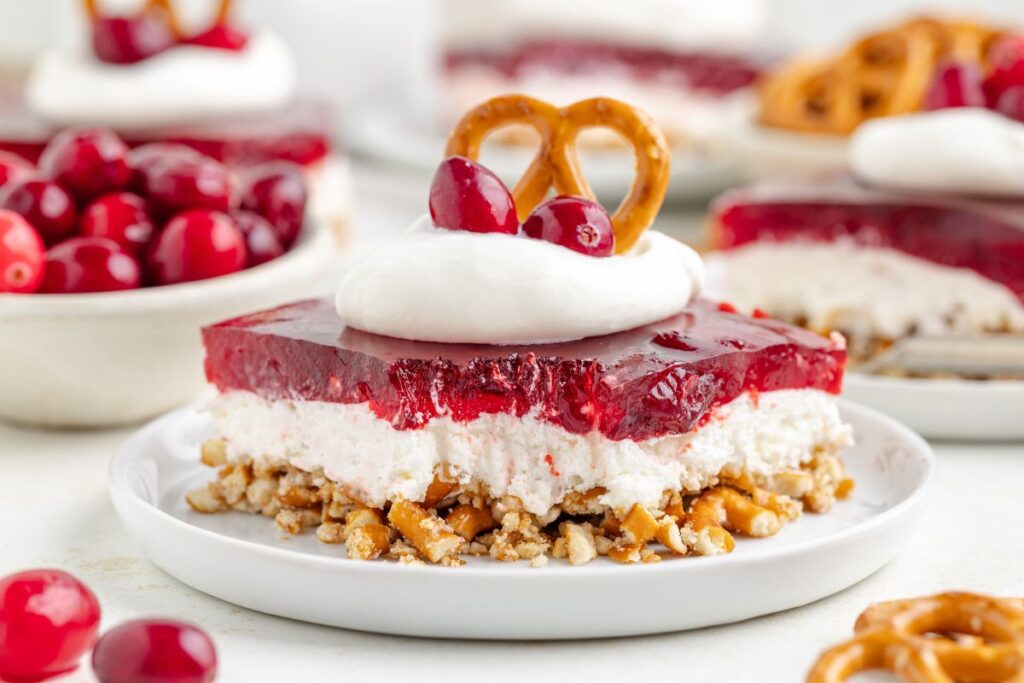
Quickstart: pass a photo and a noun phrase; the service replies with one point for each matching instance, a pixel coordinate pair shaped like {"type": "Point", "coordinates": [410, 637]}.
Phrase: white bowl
{"type": "Point", "coordinates": [91, 360]}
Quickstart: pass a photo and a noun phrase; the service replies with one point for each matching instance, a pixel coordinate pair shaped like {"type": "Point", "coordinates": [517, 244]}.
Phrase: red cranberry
{"type": "Point", "coordinates": [1011, 102]}
{"type": "Point", "coordinates": [87, 162]}
{"type": "Point", "coordinates": [196, 245]}
{"type": "Point", "coordinates": [89, 264]}
{"type": "Point", "coordinates": [22, 255]}
{"type": "Point", "coordinates": [573, 222]}
{"type": "Point", "coordinates": [48, 620]}
{"type": "Point", "coordinates": [126, 40]}
{"type": "Point", "coordinates": [1007, 66]}
{"type": "Point", "coordinates": [178, 182]}
{"type": "Point", "coordinates": [145, 156]}
{"type": "Point", "coordinates": [44, 204]}
{"type": "Point", "coordinates": [221, 37]}
{"type": "Point", "coordinates": [12, 167]}
{"type": "Point", "coordinates": [261, 241]}
{"type": "Point", "coordinates": [155, 651]}
{"type": "Point", "coordinates": [122, 217]}
{"type": "Point", "coordinates": [955, 84]}
{"type": "Point", "coordinates": [277, 191]}
{"type": "Point", "coordinates": [466, 196]}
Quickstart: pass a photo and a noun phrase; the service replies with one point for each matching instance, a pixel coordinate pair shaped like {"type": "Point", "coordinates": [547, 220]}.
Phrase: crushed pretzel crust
{"type": "Point", "coordinates": [459, 520]}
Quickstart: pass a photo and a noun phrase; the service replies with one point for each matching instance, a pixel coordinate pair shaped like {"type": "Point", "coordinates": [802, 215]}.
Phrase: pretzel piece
{"type": "Point", "coordinates": [556, 164]}
{"type": "Point", "coordinates": [92, 9]}
{"type": "Point", "coordinates": [913, 639]}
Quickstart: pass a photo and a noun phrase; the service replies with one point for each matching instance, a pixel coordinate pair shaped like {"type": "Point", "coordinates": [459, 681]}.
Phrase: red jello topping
{"type": "Point", "coordinates": [984, 236]}
{"type": "Point", "coordinates": [659, 379]}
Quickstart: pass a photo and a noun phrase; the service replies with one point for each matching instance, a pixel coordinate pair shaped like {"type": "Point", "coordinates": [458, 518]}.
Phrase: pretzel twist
{"type": "Point", "coordinates": [556, 164]}
{"type": "Point", "coordinates": [166, 7]}
{"type": "Point", "coordinates": [939, 639]}
{"type": "Point", "coordinates": [882, 74]}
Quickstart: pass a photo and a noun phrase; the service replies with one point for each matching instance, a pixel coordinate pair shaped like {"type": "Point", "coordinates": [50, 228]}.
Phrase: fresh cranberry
{"type": "Point", "coordinates": [261, 241]}
{"type": "Point", "coordinates": [44, 204]}
{"type": "Point", "coordinates": [127, 40]}
{"type": "Point", "coordinates": [1011, 102]}
{"type": "Point", "coordinates": [155, 651]}
{"type": "Point", "coordinates": [48, 620]}
{"type": "Point", "coordinates": [146, 156]}
{"type": "Point", "coordinates": [196, 245]}
{"type": "Point", "coordinates": [122, 217]}
{"type": "Point", "coordinates": [466, 196]}
{"type": "Point", "coordinates": [12, 167]}
{"type": "Point", "coordinates": [22, 255]}
{"type": "Point", "coordinates": [955, 84]}
{"type": "Point", "coordinates": [573, 222]}
{"type": "Point", "coordinates": [89, 264]}
{"type": "Point", "coordinates": [1006, 58]}
{"type": "Point", "coordinates": [277, 191]}
{"type": "Point", "coordinates": [87, 162]}
{"type": "Point", "coordinates": [221, 37]}
{"type": "Point", "coordinates": [179, 182]}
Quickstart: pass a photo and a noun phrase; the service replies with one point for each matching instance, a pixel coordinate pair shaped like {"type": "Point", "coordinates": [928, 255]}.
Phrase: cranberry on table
{"type": "Point", "coordinates": [179, 182]}
{"type": "Point", "coordinates": [44, 204]}
{"type": "Point", "coordinates": [87, 162]}
{"type": "Point", "coordinates": [261, 240]}
{"type": "Point", "coordinates": [222, 37]}
{"type": "Point", "coordinates": [127, 40]}
{"type": "Point", "coordinates": [277, 191]}
{"type": "Point", "coordinates": [120, 216]}
{"type": "Point", "coordinates": [89, 264]}
{"type": "Point", "coordinates": [155, 651]}
{"type": "Point", "coordinates": [955, 84]}
{"type": "Point", "coordinates": [12, 166]}
{"type": "Point", "coordinates": [48, 620]}
{"type": "Point", "coordinates": [466, 196]}
{"type": "Point", "coordinates": [573, 222]}
{"type": "Point", "coordinates": [22, 255]}
{"type": "Point", "coordinates": [196, 245]}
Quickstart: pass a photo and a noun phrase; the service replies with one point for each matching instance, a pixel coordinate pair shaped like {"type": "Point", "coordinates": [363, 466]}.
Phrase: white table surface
{"type": "Point", "coordinates": [55, 512]}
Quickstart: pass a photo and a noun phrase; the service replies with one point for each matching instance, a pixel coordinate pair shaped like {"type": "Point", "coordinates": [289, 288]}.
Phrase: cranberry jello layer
{"type": "Point", "coordinates": [596, 426]}
{"type": "Point", "coordinates": [874, 264]}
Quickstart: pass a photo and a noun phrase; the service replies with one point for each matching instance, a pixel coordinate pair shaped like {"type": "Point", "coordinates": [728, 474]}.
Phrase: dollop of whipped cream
{"type": "Point", "coordinates": [441, 285]}
{"type": "Point", "coordinates": [184, 84]}
{"type": "Point", "coordinates": [970, 151]}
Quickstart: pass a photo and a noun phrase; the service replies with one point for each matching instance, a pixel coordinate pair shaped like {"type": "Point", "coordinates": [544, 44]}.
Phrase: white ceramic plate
{"type": "Point", "coordinates": [945, 408]}
{"type": "Point", "coordinates": [243, 559]}
{"type": "Point", "coordinates": [388, 136]}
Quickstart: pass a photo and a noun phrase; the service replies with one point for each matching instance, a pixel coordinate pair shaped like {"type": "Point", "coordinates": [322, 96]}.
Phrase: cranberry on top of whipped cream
{"type": "Point", "coordinates": [149, 69]}
{"type": "Point", "coordinates": [470, 272]}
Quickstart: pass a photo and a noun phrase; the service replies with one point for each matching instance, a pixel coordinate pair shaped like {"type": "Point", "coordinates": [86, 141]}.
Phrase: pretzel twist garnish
{"type": "Point", "coordinates": [166, 7]}
{"type": "Point", "coordinates": [939, 639]}
{"type": "Point", "coordinates": [882, 74]}
{"type": "Point", "coordinates": [556, 164]}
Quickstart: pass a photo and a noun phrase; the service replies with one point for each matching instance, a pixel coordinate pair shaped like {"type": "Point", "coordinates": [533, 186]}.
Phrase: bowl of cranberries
{"type": "Point", "coordinates": [111, 259]}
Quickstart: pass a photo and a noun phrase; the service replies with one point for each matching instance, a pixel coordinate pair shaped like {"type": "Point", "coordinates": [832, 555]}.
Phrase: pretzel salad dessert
{"type": "Point", "coordinates": [937, 639]}
{"type": "Point", "coordinates": [521, 378]}
{"type": "Point", "coordinates": [157, 75]}
{"type": "Point", "coordinates": [927, 63]}
{"type": "Point", "coordinates": [923, 238]}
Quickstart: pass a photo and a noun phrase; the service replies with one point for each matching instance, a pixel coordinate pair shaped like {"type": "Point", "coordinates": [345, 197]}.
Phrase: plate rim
{"type": "Point", "coordinates": [119, 489]}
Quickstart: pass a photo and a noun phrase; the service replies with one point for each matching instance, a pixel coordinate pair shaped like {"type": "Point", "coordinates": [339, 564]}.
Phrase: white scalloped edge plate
{"type": "Point", "coordinates": [243, 559]}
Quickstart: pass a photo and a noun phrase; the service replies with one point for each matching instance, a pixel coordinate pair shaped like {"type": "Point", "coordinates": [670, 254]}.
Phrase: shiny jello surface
{"type": "Point", "coordinates": [984, 236]}
{"type": "Point", "coordinates": [663, 378]}
{"type": "Point", "coordinates": [709, 71]}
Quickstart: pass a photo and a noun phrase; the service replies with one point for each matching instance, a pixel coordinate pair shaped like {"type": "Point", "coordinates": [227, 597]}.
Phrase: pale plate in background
{"type": "Point", "coordinates": [244, 559]}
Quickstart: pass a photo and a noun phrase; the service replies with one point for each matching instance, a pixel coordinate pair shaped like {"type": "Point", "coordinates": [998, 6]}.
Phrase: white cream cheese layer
{"type": "Point", "coordinates": [532, 459]}
{"type": "Point", "coordinates": [866, 291]}
{"type": "Point", "coordinates": [441, 285]}
{"type": "Point", "coordinates": [179, 86]}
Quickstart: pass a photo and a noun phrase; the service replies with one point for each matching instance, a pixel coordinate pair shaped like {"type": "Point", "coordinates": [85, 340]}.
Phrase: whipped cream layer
{"type": "Point", "coordinates": [443, 285]}
{"type": "Point", "coordinates": [864, 291]}
{"type": "Point", "coordinates": [534, 460]}
{"type": "Point", "coordinates": [679, 24]}
{"type": "Point", "coordinates": [965, 150]}
{"type": "Point", "coordinates": [181, 85]}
